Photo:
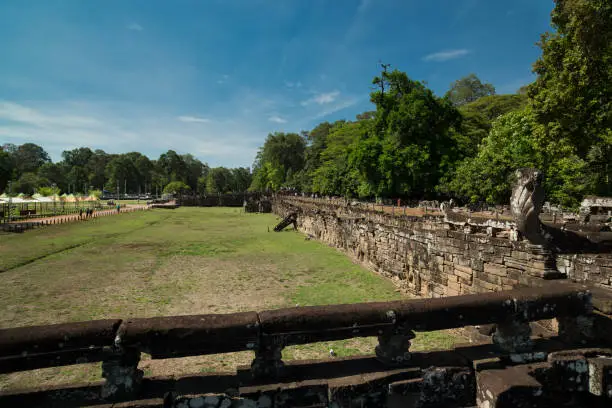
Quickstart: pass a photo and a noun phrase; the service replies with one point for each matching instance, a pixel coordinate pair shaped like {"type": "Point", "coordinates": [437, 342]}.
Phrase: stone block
{"type": "Point", "coordinates": [463, 268]}
{"type": "Point", "coordinates": [453, 292]}
{"type": "Point", "coordinates": [600, 376]}
{"type": "Point", "coordinates": [509, 281]}
{"type": "Point", "coordinates": [514, 273]}
{"type": "Point", "coordinates": [508, 388]}
{"type": "Point", "coordinates": [487, 277]}
{"type": "Point", "coordinates": [454, 286]}
{"type": "Point", "coordinates": [464, 276]}
{"type": "Point", "coordinates": [487, 249]}
{"type": "Point", "coordinates": [486, 286]}
{"type": "Point", "coordinates": [495, 269]}
{"type": "Point", "coordinates": [516, 264]}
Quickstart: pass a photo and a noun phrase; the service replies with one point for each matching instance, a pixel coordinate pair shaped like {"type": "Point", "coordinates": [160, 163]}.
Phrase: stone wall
{"type": "Point", "coordinates": [437, 255]}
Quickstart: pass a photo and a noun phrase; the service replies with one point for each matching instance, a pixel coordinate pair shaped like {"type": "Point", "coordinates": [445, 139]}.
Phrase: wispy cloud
{"type": "Point", "coordinates": [322, 98]}
{"type": "Point", "coordinates": [336, 107]}
{"type": "Point", "coordinates": [193, 119]}
{"type": "Point", "coordinates": [290, 84]}
{"type": "Point", "coordinates": [446, 55]}
{"type": "Point", "coordinates": [59, 126]}
{"type": "Point", "coordinates": [277, 119]}
{"type": "Point", "coordinates": [135, 27]}
{"type": "Point", "coordinates": [223, 79]}
{"type": "Point", "coordinates": [13, 112]}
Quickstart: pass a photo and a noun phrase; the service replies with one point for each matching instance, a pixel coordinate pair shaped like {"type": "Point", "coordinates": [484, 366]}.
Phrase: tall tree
{"type": "Point", "coordinates": [479, 115]}
{"type": "Point", "coordinates": [96, 167]}
{"type": "Point", "coordinates": [172, 166]}
{"type": "Point", "coordinates": [572, 95]}
{"type": "Point", "coordinates": [219, 180]}
{"type": "Point", "coordinates": [29, 157]}
{"type": "Point", "coordinates": [468, 89]}
{"type": "Point", "coordinates": [7, 166]}
{"type": "Point", "coordinates": [55, 173]}
{"type": "Point", "coordinates": [194, 169]}
{"type": "Point", "coordinates": [241, 179]}
{"type": "Point", "coordinates": [282, 155]}
{"type": "Point", "coordinates": [411, 144]}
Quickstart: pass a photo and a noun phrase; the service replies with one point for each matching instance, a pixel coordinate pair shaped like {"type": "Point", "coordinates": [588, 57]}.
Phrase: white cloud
{"type": "Point", "coordinates": [335, 108]}
{"type": "Point", "coordinates": [446, 55]}
{"type": "Point", "coordinates": [62, 125]}
{"type": "Point", "coordinates": [277, 119]}
{"type": "Point", "coordinates": [14, 112]}
{"type": "Point", "coordinates": [135, 27]}
{"type": "Point", "coordinates": [290, 84]}
{"type": "Point", "coordinates": [322, 98]}
{"type": "Point", "coordinates": [193, 119]}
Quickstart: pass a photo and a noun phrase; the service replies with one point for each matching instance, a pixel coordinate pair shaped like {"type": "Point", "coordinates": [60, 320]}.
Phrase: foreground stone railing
{"type": "Point", "coordinates": [442, 378]}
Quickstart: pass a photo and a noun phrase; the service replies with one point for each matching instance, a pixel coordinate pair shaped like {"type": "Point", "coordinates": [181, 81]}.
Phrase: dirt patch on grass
{"type": "Point", "coordinates": [213, 285]}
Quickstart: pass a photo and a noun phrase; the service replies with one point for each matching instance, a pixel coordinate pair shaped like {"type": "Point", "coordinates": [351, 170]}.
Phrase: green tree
{"type": "Point", "coordinates": [172, 167]}
{"type": "Point", "coordinates": [7, 165]}
{"type": "Point", "coordinates": [219, 180]}
{"type": "Point", "coordinates": [29, 157]}
{"type": "Point", "coordinates": [468, 89]}
{"type": "Point", "coordinates": [479, 115]}
{"type": "Point", "coordinates": [176, 187]}
{"type": "Point", "coordinates": [241, 179]}
{"type": "Point", "coordinates": [96, 166]}
{"type": "Point", "coordinates": [411, 143]}
{"type": "Point", "coordinates": [572, 95]}
{"type": "Point", "coordinates": [27, 183]}
{"type": "Point", "coordinates": [55, 173]}
{"type": "Point", "coordinates": [282, 155]}
{"type": "Point", "coordinates": [77, 157]}
{"type": "Point", "coordinates": [517, 140]}
{"type": "Point", "coordinates": [46, 191]}
{"type": "Point", "coordinates": [334, 175]}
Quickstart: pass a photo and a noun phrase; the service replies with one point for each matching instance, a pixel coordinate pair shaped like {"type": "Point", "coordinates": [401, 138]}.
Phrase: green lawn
{"type": "Point", "coordinates": [176, 262]}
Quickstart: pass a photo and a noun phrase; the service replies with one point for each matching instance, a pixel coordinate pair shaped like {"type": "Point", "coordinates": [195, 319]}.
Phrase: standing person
{"type": "Point", "coordinates": [80, 213]}
{"type": "Point", "coordinates": [118, 208]}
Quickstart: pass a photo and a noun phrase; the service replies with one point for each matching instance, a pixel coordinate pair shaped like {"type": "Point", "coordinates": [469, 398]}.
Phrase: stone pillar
{"type": "Point", "coordinates": [576, 330]}
{"type": "Point", "coordinates": [393, 346]}
{"type": "Point", "coordinates": [121, 374]}
{"type": "Point", "coordinates": [513, 336]}
{"type": "Point", "coordinates": [268, 359]}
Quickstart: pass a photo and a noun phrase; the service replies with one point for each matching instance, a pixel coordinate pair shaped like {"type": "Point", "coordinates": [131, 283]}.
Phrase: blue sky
{"type": "Point", "coordinates": [214, 77]}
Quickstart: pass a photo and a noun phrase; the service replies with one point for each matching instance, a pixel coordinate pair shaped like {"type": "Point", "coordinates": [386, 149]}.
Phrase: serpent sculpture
{"type": "Point", "coordinates": [526, 203]}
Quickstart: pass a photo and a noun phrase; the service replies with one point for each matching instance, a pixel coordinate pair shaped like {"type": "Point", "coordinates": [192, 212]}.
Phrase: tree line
{"type": "Point", "coordinates": [468, 143]}
{"type": "Point", "coordinates": [82, 170]}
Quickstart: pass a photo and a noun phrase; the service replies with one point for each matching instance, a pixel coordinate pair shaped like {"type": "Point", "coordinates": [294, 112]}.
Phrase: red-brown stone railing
{"type": "Point", "coordinates": [118, 343]}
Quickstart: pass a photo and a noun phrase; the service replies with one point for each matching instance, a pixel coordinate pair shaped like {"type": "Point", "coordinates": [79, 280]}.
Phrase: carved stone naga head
{"type": "Point", "coordinates": [526, 203]}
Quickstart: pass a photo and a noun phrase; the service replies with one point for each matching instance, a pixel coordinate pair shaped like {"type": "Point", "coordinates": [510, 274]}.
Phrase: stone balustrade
{"type": "Point", "coordinates": [463, 376]}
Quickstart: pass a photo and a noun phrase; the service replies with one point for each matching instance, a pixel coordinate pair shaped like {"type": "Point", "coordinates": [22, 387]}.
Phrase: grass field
{"type": "Point", "coordinates": [175, 262]}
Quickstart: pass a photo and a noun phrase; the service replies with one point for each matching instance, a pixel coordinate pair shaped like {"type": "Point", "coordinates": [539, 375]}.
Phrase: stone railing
{"type": "Point", "coordinates": [492, 374]}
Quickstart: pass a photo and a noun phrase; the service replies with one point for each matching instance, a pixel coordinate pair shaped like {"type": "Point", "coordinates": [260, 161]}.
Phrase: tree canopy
{"type": "Point", "coordinates": [468, 89]}
{"type": "Point", "coordinates": [83, 170]}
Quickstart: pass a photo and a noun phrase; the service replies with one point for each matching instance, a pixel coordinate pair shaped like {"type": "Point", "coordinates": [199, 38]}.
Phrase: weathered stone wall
{"type": "Point", "coordinates": [431, 256]}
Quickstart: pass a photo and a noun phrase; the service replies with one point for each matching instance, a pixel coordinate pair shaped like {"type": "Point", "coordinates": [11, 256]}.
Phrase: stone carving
{"type": "Point", "coordinates": [526, 202]}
